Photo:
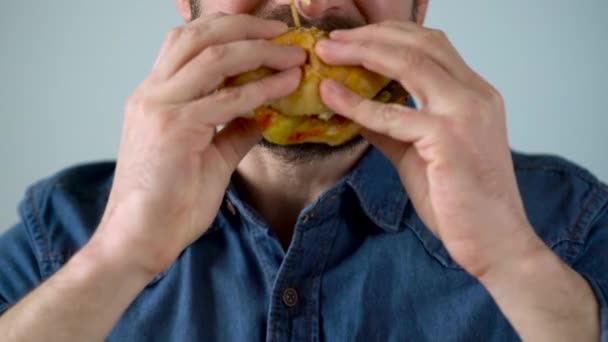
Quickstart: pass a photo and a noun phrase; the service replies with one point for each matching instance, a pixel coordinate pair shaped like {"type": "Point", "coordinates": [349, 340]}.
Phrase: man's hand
{"type": "Point", "coordinates": [452, 155]}
{"type": "Point", "coordinates": [454, 160]}
{"type": "Point", "coordinates": [173, 168]}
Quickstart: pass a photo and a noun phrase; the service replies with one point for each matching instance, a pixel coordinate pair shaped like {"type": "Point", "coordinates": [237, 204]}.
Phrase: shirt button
{"type": "Point", "coordinates": [290, 297]}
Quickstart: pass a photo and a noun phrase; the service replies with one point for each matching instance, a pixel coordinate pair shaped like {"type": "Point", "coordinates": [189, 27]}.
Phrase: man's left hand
{"type": "Point", "coordinates": [452, 154]}
{"type": "Point", "coordinates": [454, 160]}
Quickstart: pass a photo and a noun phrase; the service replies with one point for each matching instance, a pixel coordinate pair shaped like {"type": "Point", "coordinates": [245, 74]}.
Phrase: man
{"type": "Point", "coordinates": [427, 230]}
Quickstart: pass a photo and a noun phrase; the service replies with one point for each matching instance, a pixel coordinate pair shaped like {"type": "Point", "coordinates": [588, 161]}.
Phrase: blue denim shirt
{"type": "Point", "coordinates": [361, 266]}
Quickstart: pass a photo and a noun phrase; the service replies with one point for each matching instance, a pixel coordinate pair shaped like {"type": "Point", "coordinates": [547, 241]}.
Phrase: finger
{"type": "Point", "coordinates": [171, 40]}
{"type": "Point", "coordinates": [230, 103]}
{"type": "Point", "coordinates": [414, 177]}
{"type": "Point", "coordinates": [433, 43]}
{"type": "Point", "coordinates": [186, 42]}
{"type": "Point", "coordinates": [392, 120]}
{"type": "Point", "coordinates": [208, 70]}
{"type": "Point", "coordinates": [418, 73]}
{"type": "Point", "coordinates": [405, 157]}
{"type": "Point", "coordinates": [351, 34]}
{"type": "Point", "coordinates": [236, 140]}
{"type": "Point", "coordinates": [392, 149]}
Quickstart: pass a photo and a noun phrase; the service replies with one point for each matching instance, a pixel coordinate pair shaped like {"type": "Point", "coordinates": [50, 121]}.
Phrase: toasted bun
{"type": "Point", "coordinates": [302, 117]}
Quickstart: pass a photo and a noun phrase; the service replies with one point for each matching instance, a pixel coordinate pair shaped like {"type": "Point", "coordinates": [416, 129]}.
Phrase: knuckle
{"type": "Point", "coordinates": [464, 126]}
{"type": "Point", "coordinates": [173, 35]}
{"type": "Point", "coordinates": [390, 116]}
{"type": "Point", "coordinates": [164, 117]}
{"type": "Point", "coordinates": [358, 106]}
{"type": "Point", "coordinates": [267, 89]}
{"type": "Point", "coordinates": [445, 127]}
{"type": "Point", "coordinates": [439, 35]}
{"type": "Point", "coordinates": [411, 60]}
{"type": "Point", "coordinates": [495, 97]}
{"type": "Point", "coordinates": [478, 105]}
{"type": "Point", "coordinates": [389, 113]}
{"type": "Point", "coordinates": [157, 76]}
{"type": "Point", "coordinates": [138, 104]}
{"type": "Point", "coordinates": [216, 53]}
{"type": "Point", "coordinates": [429, 36]}
{"type": "Point", "coordinates": [145, 101]}
{"type": "Point", "coordinates": [199, 63]}
{"type": "Point", "coordinates": [202, 31]}
{"type": "Point", "coordinates": [364, 45]}
{"type": "Point", "coordinates": [191, 32]}
{"type": "Point", "coordinates": [161, 125]}
{"type": "Point", "coordinates": [145, 113]}
{"type": "Point", "coordinates": [229, 95]}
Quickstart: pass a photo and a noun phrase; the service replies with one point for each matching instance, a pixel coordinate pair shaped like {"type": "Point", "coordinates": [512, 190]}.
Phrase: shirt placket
{"type": "Point", "coordinates": [294, 301]}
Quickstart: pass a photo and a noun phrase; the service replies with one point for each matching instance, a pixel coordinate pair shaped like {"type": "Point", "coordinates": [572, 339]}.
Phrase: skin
{"type": "Point", "coordinates": [452, 156]}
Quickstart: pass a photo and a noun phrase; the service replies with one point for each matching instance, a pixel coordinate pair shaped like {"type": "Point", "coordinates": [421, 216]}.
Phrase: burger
{"type": "Point", "coordinates": [302, 117]}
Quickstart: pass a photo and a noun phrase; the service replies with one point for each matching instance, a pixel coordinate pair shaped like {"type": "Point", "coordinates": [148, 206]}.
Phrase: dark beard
{"type": "Point", "coordinates": [195, 8]}
{"type": "Point", "coordinates": [308, 152]}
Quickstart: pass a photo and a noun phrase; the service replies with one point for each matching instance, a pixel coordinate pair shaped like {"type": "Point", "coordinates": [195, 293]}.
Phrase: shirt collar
{"type": "Point", "coordinates": [378, 187]}
{"type": "Point", "coordinates": [375, 182]}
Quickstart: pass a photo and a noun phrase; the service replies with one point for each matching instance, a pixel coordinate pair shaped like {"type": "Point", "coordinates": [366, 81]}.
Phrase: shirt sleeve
{"type": "Point", "coordinates": [19, 270]}
{"type": "Point", "coordinates": [593, 265]}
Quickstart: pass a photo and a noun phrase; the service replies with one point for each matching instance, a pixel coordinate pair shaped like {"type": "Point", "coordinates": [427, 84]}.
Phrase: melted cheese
{"type": "Point", "coordinates": [288, 130]}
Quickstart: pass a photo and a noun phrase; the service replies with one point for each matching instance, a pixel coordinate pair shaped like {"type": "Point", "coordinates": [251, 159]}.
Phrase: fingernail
{"type": "Point", "coordinates": [297, 51]}
{"type": "Point", "coordinates": [337, 33]}
{"type": "Point", "coordinates": [329, 44]}
{"type": "Point", "coordinates": [335, 87]}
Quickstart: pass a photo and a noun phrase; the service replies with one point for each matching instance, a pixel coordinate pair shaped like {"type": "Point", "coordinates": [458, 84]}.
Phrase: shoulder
{"type": "Point", "coordinates": [61, 212]}
{"type": "Point", "coordinates": [563, 200]}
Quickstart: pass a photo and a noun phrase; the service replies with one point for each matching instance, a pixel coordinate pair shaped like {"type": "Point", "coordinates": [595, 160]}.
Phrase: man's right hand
{"type": "Point", "coordinates": [173, 168]}
{"type": "Point", "coordinates": [172, 172]}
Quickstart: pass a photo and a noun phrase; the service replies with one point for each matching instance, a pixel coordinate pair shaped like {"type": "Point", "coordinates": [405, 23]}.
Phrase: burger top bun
{"type": "Point", "coordinates": [306, 100]}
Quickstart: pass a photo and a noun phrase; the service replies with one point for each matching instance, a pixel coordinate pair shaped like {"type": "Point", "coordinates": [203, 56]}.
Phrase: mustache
{"type": "Point", "coordinates": [328, 22]}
